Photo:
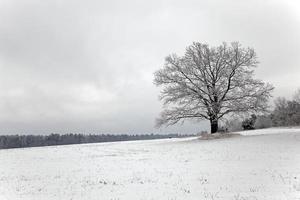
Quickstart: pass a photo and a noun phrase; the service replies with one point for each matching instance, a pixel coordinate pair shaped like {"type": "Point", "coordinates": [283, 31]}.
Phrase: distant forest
{"type": "Point", "coordinates": [20, 141]}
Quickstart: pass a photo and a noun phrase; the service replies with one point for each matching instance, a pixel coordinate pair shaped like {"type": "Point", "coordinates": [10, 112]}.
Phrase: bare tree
{"type": "Point", "coordinates": [210, 83]}
{"type": "Point", "coordinates": [287, 112]}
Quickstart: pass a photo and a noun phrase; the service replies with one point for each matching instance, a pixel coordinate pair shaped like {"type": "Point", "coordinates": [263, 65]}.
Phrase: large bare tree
{"type": "Point", "coordinates": [209, 83]}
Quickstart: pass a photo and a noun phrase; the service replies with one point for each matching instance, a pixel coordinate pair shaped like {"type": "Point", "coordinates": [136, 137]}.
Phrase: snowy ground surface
{"type": "Point", "coordinates": [265, 167]}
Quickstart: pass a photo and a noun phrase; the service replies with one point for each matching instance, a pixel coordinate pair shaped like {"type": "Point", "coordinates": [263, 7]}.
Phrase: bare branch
{"type": "Point", "coordinates": [210, 82]}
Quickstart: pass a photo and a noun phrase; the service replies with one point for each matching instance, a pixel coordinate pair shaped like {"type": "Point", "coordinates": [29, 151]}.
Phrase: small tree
{"type": "Point", "coordinates": [210, 83]}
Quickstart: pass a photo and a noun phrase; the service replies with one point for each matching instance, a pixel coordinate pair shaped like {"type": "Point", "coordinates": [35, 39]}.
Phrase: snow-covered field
{"type": "Point", "coordinates": [265, 167]}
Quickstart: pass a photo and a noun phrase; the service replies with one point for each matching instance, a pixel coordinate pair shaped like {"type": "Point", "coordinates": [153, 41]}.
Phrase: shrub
{"type": "Point", "coordinates": [248, 124]}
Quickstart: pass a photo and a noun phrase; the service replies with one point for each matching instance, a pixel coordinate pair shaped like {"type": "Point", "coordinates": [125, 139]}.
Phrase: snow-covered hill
{"type": "Point", "coordinates": [238, 168]}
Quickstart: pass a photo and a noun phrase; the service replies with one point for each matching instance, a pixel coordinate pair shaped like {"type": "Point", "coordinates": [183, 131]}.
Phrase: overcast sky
{"type": "Point", "coordinates": [87, 66]}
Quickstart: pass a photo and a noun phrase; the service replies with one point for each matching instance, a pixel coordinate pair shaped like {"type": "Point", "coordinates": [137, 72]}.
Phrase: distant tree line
{"type": "Point", "coordinates": [286, 112]}
{"type": "Point", "coordinates": [19, 141]}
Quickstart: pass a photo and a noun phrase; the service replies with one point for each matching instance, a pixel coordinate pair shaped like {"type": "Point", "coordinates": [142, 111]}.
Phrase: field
{"type": "Point", "coordinates": [261, 164]}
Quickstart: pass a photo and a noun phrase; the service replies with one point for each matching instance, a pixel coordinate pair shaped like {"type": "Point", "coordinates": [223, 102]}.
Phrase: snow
{"type": "Point", "coordinates": [266, 131]}
{"type": "Point", "coordinates": [263, 165]}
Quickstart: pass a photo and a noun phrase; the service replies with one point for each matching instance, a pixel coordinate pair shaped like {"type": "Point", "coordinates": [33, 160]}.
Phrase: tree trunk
{"type": "Point", "coordinates": [213, 126]}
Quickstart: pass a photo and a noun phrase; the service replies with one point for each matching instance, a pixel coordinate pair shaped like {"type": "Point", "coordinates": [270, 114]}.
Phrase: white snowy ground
{"type": "Point", "coordinates": [265, 167]}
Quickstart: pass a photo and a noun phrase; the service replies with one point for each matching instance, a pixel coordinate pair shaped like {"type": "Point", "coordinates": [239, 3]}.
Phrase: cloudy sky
{"type": "Point", "coordinates": [87, 66]}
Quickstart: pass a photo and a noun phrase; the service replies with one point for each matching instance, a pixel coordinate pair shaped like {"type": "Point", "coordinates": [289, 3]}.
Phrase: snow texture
{"type": "Point", "coordinates": [253, 167]}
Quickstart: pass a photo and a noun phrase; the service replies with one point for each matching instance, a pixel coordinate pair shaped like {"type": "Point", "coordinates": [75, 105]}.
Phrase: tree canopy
{"type": "Point", "coordinates": [209, 83]}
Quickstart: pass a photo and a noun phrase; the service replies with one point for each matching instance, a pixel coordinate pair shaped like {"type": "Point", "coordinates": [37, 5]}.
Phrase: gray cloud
{"type": "Point", "coordinates": [88, 65]}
